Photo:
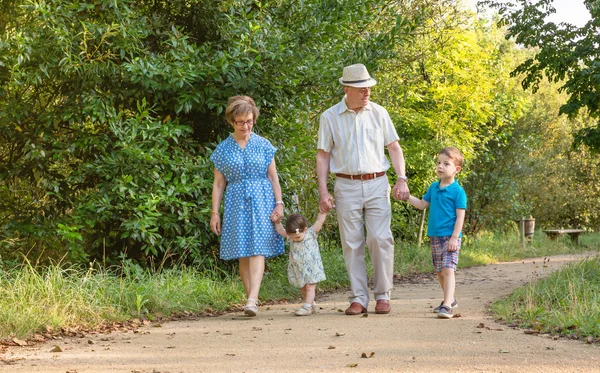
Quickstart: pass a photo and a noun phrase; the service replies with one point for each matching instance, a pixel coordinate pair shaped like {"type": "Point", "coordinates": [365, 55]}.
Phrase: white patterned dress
{"type": "Point", "coordinates": [305, 265]}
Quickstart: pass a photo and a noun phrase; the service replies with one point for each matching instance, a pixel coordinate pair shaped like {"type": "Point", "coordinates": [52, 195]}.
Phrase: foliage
{"type": "Point", "coordinates": [565, 53]}
{"type": "Point", "coordinates": [110, 109]}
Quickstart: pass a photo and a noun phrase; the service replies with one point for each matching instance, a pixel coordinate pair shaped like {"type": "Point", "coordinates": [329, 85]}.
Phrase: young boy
{"type": "Point", "coordinates": [447, 201]}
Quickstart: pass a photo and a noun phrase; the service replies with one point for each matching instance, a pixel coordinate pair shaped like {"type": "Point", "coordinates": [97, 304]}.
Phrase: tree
{"type": "Point", "coordinates": [564, 53]}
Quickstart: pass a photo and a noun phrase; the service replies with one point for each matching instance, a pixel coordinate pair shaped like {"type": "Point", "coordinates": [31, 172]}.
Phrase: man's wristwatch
{"type": "Point", "coordinates": [402, 177]}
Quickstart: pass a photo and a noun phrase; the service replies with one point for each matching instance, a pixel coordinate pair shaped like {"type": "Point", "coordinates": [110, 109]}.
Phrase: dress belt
{"type": "Point", "coordinates": [363, 176]}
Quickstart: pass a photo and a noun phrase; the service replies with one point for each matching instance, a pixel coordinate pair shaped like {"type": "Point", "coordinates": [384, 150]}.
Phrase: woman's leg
{"type": "Point", "coordinates": [245, 274]}
{"type": "Point", "coordinates": [256, 269]}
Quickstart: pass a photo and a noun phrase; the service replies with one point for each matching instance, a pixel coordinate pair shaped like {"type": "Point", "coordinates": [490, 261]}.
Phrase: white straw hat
{"type": "Point", "coordinates": [357, 76]}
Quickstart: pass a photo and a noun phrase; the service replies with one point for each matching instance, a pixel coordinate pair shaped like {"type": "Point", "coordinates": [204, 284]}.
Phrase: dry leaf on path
{"type": "Point", "coordinates": [56, 349]}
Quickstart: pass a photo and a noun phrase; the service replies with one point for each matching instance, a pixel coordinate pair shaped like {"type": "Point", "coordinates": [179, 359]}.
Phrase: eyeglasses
{"type": "Point", "coordinates": [362, 91]}
{"type": "Point", "coordinates": [241, 123]}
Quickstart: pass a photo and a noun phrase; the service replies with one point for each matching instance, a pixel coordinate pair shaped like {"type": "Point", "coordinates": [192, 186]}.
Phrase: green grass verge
{"type": "Point", "coordinates": [565, 303]}
{"type": "Point", "coordinates": [32, 299]}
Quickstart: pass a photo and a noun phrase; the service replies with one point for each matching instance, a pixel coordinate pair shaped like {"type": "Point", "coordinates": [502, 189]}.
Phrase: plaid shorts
{"type": "Point", "coordinates": [441, 257]}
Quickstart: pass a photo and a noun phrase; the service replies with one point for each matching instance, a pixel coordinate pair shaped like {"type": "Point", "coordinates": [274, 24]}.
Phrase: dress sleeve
{"type": "Point", "coordinates": [218, 159]}
{"type": "Point", "coordinates": [269, 151]}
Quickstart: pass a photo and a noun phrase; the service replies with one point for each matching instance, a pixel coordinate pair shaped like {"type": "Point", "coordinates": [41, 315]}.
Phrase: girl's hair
{"type": "Point", "coordinates": [454, 154]}
{"type": "Point", "coordinates": [240, 105]}
{"type": "Point", "coordinates": [295, 223]}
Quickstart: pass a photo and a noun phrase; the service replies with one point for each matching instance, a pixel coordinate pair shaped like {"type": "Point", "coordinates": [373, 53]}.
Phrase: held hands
{"type": "Point", "coordinates": [326, 202]}
{"type": "Point", "coordinates": [401, 191]}
{"type": "Point", "coordinates": [277, 214]}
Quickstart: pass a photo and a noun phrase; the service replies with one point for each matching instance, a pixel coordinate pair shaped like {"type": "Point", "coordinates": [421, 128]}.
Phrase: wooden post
{"type": "Point", "coordinates": [420, 238]}
{"type": "Point", "coordinates": [522, 230]}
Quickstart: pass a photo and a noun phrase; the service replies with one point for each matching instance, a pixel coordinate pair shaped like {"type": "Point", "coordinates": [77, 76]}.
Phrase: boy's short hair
{"type": "Point", "coordinates": [454, 154]}
{"type": "Point", "coordinates": [295, 223]}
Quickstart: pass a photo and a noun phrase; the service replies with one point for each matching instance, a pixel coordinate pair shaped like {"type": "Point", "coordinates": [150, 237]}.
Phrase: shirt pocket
{"type": "Point", "coordinates": [375, 137]}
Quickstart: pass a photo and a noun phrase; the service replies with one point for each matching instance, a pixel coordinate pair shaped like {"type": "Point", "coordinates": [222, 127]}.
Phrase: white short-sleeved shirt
{"type": "Point", "coordinates": [356, 141]}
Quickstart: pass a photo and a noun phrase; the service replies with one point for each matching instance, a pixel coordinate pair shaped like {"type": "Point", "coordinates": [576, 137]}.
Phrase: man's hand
{"type": "Point", "coordinates": [326, 202]}
{"type": "Point", "coordinates": [400, 190]}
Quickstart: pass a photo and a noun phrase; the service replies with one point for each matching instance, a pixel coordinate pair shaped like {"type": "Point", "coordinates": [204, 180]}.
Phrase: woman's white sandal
{"type": "Point", "coordinates": [251, 310]}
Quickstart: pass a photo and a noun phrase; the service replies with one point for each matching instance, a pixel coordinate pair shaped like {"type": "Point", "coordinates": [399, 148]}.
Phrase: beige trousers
{"type": "Point", "coordinates": [360, 205]}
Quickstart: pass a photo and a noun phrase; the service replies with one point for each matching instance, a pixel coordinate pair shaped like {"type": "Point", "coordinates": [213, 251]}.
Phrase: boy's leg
{"type": "Point", "coordinates": [448, 283]}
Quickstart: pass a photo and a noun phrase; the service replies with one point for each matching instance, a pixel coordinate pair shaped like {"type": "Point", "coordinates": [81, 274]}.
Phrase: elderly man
{"type": "Point", "coordinates": [352, 138]}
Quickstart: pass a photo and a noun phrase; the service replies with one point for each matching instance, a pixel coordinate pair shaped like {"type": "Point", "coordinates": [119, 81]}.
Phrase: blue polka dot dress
{"type": "Point", "coordinates": [249, 199]}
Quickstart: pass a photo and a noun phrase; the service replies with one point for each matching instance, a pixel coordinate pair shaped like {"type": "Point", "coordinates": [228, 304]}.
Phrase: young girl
{"type": "Point", "coordinates": [305, 267]}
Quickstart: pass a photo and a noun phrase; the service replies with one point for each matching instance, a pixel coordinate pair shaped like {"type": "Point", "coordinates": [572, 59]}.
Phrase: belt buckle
{"type": "Point", "coordinates": [362, 177]}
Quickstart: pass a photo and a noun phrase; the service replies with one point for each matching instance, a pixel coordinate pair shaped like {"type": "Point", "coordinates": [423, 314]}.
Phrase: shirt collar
{"type": "Point", "coordinates": [344, 107]}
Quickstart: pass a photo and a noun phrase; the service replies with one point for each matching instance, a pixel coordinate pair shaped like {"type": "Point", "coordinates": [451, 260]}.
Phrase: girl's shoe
{"type": "Point", "coordinates": [314, 307]}
{"type": "Point", "coordinates": [305, 311]}
{"type": "Point", "coordinates": [251, 308]}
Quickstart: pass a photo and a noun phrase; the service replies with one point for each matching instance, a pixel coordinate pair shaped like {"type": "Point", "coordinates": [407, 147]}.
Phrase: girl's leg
{"type": "Point", "coordinates": [448, 283]}
{"type": "Point", "coordinates": [303, 291]}
{"type": "Point", "coordinates": [309, 293]}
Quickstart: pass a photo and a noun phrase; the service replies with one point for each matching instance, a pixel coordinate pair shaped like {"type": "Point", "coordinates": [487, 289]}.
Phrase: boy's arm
{"type": "Point", "coordinates": [320, 220]}
{"type": "Point", "coordinates": [280, 229]}
{"type": "Point", "coordinates": [421, 204]}
{"type": "Point", "coordinates": [458, 225]}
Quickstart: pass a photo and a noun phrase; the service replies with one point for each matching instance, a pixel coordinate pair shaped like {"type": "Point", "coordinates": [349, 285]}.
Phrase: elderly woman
{"type": "Point", "coordinates": [245, 170]}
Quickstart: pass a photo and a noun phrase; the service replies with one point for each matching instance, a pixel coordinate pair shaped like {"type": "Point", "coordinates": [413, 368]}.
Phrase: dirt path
{"type": "Point", "coordinates": [409, 339]}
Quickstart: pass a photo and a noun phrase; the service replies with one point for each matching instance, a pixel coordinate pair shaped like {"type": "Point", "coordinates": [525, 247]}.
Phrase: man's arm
{"type": "Point", "coordinates": [326, 201]}
{"type": "Point", "coordinates": [400, 190]}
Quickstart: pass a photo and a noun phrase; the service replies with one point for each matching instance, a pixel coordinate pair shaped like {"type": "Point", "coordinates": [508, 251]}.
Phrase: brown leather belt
{"type": "Point", "coordinates": [363, 176]}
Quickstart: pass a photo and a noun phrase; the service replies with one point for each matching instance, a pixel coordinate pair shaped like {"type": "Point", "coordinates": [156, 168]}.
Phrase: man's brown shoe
{"type": "Point", "coordinates": [383, 306]}
{"type": "Point", "coordinates": [355, 309]}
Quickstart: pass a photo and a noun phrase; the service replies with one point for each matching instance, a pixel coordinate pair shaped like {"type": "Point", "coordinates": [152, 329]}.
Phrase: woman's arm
{"type": "Point", "coordinates": [219, 185]}
{"type": "Point", "coordinates": [274, 179]}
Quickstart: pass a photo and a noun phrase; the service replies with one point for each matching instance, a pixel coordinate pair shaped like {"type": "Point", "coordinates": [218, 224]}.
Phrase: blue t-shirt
{"type": "Point", "coordinates": [443, 203]}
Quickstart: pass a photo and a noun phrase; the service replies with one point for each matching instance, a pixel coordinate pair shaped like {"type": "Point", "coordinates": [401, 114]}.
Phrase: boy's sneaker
{"type": "Point", "coordinates": [305, 311]}
{"type": "Point", "coordinates": [437, 309]}
{"type": "Point", "coordinates": [445, 312]}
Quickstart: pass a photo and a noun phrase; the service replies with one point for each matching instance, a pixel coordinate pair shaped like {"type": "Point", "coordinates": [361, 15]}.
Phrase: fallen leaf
{"type": "Point", "coordinates": [331, 348]}
{"type": "Point", "coordinates": [20, 342]}
{"type": "Point", "coordinates": [230, 354]}
{"type": "Point", "coordinates": [365, 315]}
{"type": "Point", "coordinates": [338, 334]}
{"type": "Point", "coordinates": [365, 356]}
{"type": "Point", "coordinates": [529, 331]}
{"type": "Point", "coordinates": [503, 352]}
{"type": "Point", "coordinates": [352, 365]}
{"type": "Point", "coordinates": [256, 328]}
{"type": "Point", "coordinates": [56, 349]}
{"type": "Point", "coordinates": [90, 342]}
{"type": "Point", "coordinates": [481, 325]}
{"type": "Point", "coordinates": [340, 310]}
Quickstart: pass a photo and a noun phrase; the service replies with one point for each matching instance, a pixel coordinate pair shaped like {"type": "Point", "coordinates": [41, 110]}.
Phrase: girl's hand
{"type": "Point", "coordinates": [215, 223]}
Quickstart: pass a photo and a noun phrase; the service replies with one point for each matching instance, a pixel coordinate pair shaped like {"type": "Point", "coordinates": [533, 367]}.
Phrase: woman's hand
{"type": "Point", "coordinates": [215, 223]}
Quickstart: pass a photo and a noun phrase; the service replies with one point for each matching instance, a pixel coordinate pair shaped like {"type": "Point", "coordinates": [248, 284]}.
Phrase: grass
{"type": "Point", "coordinates": [35, 299]}
{"type": "Point", "coordinates": [565, 303]}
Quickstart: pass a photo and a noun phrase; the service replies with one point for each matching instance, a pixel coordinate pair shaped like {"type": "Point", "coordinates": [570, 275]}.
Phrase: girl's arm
{"type": "Point", "coordinates": [280, 229]}
{"type": "Point", "coordinates": [421, 204]}
{"type": "Point", "coordinates": [320, 220]}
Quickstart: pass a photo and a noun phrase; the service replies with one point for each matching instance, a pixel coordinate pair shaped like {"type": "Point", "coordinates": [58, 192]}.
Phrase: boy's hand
{"type": "Point", "coordinates": [453, 244]}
